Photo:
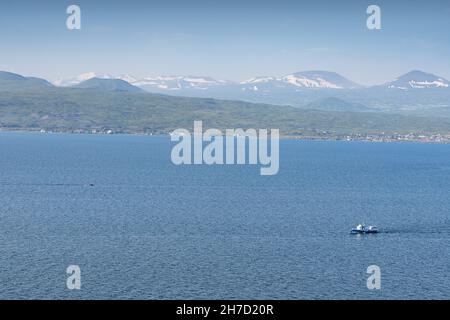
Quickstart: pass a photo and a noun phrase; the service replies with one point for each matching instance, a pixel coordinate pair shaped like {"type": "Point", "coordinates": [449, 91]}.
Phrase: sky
{"type": "Point", "coordinates": [232, 40]}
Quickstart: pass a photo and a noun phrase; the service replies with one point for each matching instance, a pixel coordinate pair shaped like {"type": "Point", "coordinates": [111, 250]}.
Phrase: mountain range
{"type": "Point", "coordinates": [416, 92]}
{"type": "Point", "coordinates": [300, 80]}
{"type": "Point", "coordinates": [328, 106]}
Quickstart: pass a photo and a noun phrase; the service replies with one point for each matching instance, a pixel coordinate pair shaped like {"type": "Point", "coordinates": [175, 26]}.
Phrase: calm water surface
{"type": "Point", "coordinates": [147, 229]}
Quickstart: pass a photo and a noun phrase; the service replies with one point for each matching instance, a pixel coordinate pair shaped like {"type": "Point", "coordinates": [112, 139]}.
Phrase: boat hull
{"type": "Point", "coordinates": [363, 231]}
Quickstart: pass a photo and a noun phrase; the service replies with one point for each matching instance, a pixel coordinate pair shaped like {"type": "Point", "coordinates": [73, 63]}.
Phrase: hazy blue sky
{"type": "Point", "coordinates": [232, 40]}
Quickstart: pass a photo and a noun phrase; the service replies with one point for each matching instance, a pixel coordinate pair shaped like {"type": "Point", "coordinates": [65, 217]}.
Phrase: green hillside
{"type": "Point", "coordinates": [68, 109]}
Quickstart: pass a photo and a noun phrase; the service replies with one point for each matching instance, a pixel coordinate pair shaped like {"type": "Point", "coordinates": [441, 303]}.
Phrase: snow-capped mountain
{"type": "Point", "coordinates": [418, 80]}
{"type": "Point", "coordinates": [178, 82]}
{"type": "Point", "coordinates": [320, 79]}
{"type": "Point", "coordinates": [301, 80]}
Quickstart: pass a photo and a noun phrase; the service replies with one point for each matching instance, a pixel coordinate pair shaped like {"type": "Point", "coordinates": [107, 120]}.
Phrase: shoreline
{"type": "Point", "coordinates": [375, 138]}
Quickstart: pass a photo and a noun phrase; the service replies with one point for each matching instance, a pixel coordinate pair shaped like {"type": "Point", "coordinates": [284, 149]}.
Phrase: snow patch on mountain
{"type": "Point", "coordinates": [307, 79]}
{"type": "Point", "coordinates": [179, 82]}
{"type": "Point", "coordinates": [259, 80]}
{"type": "Point", "coordinates": [305, 82]}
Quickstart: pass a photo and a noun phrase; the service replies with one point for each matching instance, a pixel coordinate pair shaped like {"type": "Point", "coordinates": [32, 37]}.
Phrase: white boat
{"type": "Point", "coordinates": [360, 228]}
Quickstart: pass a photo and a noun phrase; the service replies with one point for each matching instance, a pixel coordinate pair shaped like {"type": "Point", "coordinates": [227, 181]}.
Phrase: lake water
{"type": "Point", "coordinates": [147, 229]}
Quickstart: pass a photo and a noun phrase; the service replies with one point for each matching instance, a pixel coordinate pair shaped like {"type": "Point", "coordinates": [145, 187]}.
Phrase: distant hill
{"type": "Point", "coordinates": [9, 76]}
{"type": "Point", "coordinates": [108, 85]}
{"type": "Point", "coordinates": [13, 81]}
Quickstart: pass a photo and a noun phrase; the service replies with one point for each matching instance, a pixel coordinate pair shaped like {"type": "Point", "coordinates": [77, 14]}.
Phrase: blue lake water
{"type": "Point", "coordinates": [150, 230]}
